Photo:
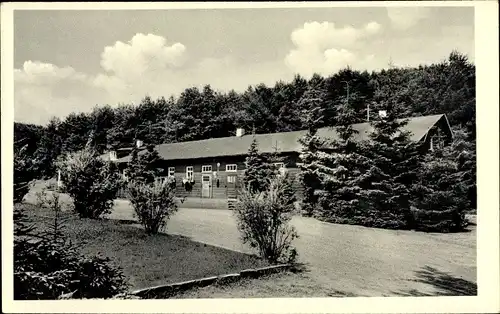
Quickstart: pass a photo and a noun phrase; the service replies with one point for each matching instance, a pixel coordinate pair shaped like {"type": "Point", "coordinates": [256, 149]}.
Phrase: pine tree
{"type": "Point", "coordinates": [342, 166]}
{"type": "Point", "coordinates": [133, 167]}
{"type": "Point", "coordinates": [288, 191]}
{"type": "Point", "coordinates": [309, 160]}
{"type": "Point", "coordinates": [312, 105]}
{"type": "Point", "coordinates": [463, 151]}
{"type": "Point", "coordinates": [439, 195]}
{"type": "Point", "coordinates": [258, 171]}
{"type": "Point", "coordinates": [55, 230]}
{"type": "Point", "coordinates": [49, 148]}
{"type": "Point", "coordinates": [387, 184]}
{"type": "Point", "coordinates": [144, 167]}
{"type": "Point", "coordinates": [150, 160]}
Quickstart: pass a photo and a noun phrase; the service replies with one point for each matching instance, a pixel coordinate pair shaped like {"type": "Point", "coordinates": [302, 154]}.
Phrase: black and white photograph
{"type": "Point", "coordinates": [259, 153]}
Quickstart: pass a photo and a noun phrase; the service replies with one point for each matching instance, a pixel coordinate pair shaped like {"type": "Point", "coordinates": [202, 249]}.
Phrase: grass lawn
{"type": "Point", "coordinates": [306, 285]}
{"type": "Point", "coordinates": [147, 260]}
{"type": "Point", "coordinates": [281, 285]}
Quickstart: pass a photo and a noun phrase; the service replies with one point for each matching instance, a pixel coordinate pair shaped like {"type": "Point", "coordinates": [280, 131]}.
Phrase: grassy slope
{"type": "Point", "coordinates": [148, 260]}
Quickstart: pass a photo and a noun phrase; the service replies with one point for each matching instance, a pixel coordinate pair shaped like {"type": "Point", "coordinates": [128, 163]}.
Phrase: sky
{"type": "Point", "coordinates": [70, 61]}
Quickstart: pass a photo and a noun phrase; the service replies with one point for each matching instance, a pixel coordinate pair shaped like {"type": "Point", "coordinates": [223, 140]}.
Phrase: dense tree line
{"type": "Point", "coordinates": [444, 87]}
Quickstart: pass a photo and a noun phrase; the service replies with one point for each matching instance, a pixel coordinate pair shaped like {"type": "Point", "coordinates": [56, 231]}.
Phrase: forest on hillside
{"type": "Point", "coordinates": [445, 87]}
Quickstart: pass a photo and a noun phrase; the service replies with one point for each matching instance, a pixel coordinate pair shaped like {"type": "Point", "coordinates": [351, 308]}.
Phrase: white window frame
{"type": "Point", "coordinates": [228, 166]}
{"type": "Point", "coordinates": [190, 172]}
{"type": "Point", "coordinates": [233, 179]}
{"type": "Point", "coordinates": [281, 167]}
{"type": "Point", "coordinates": [282, 164]}
{"type": "Point", "coordinates": [206, 168]}
{"type": "Point", "coordinates": [171, 171]}
{"type": "Point", "coordinates": [124, 175]}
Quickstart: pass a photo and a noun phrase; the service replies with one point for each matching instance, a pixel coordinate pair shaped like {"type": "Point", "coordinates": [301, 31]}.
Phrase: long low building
{"type": "Point", "coordinates": [214, 166]}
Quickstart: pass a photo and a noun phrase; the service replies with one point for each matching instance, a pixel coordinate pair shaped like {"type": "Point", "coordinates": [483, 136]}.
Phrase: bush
{"type": "Point", "coordinates": [99, 278]}
{"type": "Point", "coordinates": [263, 219]}
{"type": "Point", "coordinates": [45, 271]}
{"type": "Point", "coordinates": [153, 203]}
{"type": "Point", "coordinates": [47, 267]}
{"type": "Point", "coordinates": [92, 182]}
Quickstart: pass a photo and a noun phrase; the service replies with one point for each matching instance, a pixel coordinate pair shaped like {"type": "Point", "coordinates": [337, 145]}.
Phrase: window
{"type": "Point", "coordinates": [189, 172]}
{"type": "Point", "coordinates": [231, 168]}
{"type": "Point", "coordinates": [281, 167]}
{"type": "Point", "coordinates": [438, 139]}
{"type": "Point", "coordinates": [206, 168]}
{"type": "Point", "coordinates": [124, 175]}
{"type": "Point", "coordinates": [160, 179]}
{"type": "Point", "coordinates": [171, 171]}
{"type": "Point", "coordinates": [231, 179]}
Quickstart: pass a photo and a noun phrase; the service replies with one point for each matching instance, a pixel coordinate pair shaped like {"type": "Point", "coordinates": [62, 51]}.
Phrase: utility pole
{"type": "Point", "coordinates": [347, 99]}
{"type": "Point", "coordinates": [368, 113]}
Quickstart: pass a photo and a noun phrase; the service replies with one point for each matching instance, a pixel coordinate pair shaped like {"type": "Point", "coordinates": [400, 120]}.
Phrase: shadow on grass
{"type": "Point", "coordinates": [124, 221]}
{"type": "Point", "coordinates": [300, 267]}
{"type": "Point", "coordinates": [340, 294]}
{"type": "Point", "coordinates": [443, 283]}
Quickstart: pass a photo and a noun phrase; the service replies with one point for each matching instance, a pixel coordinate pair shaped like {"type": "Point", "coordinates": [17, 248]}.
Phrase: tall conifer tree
{"type": "Point", "coordinates": [387, 185]}
{"type": "Point", "coordinates": [309, 160]}
{"type": "Point", "coordinates": [342, 166]}
{"type": "Point", "coordinates": [258, 170]}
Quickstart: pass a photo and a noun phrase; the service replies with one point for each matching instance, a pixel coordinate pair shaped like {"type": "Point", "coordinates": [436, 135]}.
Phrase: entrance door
{"type": "Point", "coordinates": [206, 183]}
{"type": "Point", "coordinates": [231, 186]}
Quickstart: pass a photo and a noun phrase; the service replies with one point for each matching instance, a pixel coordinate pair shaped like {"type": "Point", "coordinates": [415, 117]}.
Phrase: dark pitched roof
{"type": "Point", "coordinates": [285, 141]}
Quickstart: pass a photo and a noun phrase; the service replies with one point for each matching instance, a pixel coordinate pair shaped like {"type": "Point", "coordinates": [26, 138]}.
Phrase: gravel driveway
{"type": "Point", "coordinates": [352, 259]}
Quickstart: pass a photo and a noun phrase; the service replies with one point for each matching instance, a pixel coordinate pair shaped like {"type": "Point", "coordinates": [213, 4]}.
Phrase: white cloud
{"type": "Point", "coordinates": [144, 65]}
{"type": "Point", "coordinates": [142, 54]}
{"type": "Point", "coordinates": [315, 35]}
{"type": "Point", "coordinates": [42, 90]}
{"type": "Point", "coordinates": [324, 48]}
{"type": "Point", "coordinates": [405, 17]}
{"type": "Point", "coordinates": [131, 70]}
{"type": "Point", "coordinates": [372, 27]}
{"type": "Point", "coordinates": [45, 73]}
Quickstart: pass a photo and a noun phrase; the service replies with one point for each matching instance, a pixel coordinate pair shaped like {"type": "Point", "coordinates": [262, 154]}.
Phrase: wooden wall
{"type": "Point", "coordinates": [223, 190]}
{"type": "Point", "coordinates": [444, 131]}
{"type": "Point", "coordinates": [220, 191]}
